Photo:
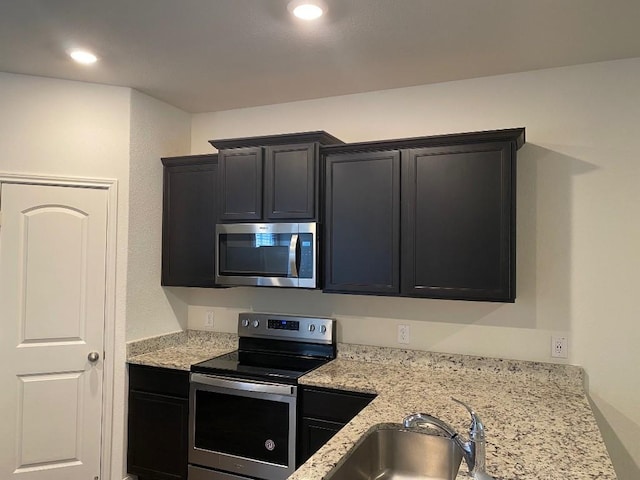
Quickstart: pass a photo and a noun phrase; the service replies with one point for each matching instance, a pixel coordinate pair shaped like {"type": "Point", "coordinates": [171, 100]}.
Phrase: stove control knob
{"type": "Point", "coordinates": [312, 328]}
{"type": "Point", "coordinates": [245, 322]}
{"type": "Point", "coordinates": [256, 323]}
{"type": "Point", "coordinates": [323, 329]}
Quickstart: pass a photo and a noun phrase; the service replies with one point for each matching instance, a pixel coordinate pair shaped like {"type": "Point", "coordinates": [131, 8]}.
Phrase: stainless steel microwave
{"type": "Point", "coordinates": [267, 254]}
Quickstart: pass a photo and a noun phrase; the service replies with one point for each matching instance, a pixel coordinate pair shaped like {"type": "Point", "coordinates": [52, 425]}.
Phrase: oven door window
{"type": "Point", "coordinates": [242, 426]}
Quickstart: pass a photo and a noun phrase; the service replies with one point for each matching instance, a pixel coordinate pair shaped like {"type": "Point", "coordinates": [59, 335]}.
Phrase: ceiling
{"type": "Point", "coordinates": [210, 55]}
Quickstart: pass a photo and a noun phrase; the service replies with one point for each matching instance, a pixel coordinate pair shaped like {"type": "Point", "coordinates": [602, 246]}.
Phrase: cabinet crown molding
{"type": "Point", "coordinates": [515, 135]}
{"type": "Point", "coordinates": [319, 136]}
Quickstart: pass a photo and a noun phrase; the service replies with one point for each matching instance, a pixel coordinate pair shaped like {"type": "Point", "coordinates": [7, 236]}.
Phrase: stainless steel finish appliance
{"type": "Point", "coordinates": [267, 254]}
{"type": "Point", "coordinates": [243, 405]}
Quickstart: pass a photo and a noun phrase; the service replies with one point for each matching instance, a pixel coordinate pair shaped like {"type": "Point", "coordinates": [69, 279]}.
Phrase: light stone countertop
{"type": "Point", "coordinates": [538, 422]}
{"type": "Point", "coordinates": [180, 350]}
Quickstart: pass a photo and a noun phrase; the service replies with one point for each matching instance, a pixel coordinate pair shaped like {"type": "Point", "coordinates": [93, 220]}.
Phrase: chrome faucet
{"type": "Point", "coordinates": [473, 450]}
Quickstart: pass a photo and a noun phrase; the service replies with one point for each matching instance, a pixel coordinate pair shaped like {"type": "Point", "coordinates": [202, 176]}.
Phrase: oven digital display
{"type": "Point", "coordinates": [283, 324]}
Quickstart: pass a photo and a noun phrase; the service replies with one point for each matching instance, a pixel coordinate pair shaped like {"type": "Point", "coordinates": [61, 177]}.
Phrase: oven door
{"type": "Point", "coordinates": [267, 254]}
{"type": "Point", "coordinates": [243, 427]}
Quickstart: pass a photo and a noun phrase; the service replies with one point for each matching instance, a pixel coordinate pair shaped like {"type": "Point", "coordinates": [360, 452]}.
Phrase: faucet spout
{"type": "Point", "coordinates": [473, 450]}
{"type": "Point", "coordinates": [425, 419]}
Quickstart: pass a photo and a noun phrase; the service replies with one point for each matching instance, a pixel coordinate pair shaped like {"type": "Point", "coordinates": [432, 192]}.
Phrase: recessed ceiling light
{"type": "Point", "coordinates": [307, 9]}
{"type": "Point", "coordinates": [83, 56]}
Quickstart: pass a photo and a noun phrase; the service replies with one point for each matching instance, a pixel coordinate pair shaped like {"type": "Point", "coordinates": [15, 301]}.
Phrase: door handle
{"type": "Point", "coordinates": [243, 386]}
{"type": "Point", "coordinates": [93, 357]}
{"type": "Point", "coordinates": [293, 247]}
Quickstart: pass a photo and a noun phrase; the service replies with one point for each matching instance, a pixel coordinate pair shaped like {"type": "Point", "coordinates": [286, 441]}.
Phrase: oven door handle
{"type": "Point", "coordinates": [287, 390]}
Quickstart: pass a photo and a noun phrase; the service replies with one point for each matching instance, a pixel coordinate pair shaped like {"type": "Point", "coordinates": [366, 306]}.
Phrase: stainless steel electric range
{"type": "Point", "coordinates": [243, 405]}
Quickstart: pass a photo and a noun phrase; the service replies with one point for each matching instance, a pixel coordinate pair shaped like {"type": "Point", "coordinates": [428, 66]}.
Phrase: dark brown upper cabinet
{"type": "Point", "coordinates": [431, 217]}
{"type": "Point", "coordinates": [272, 178]}
{"type": "Point", "coordinates": [362, 223]}
{"type": "Point", "coordinates": [188, 220]}
{"type": "Point", "coordinates": [456, 205]}
{"type": "Point", "coordinates": [240, 184]}
{"type": "Point", "coordinates": [291, 182]}
{"type": "Point", "coordinates": [458, 222]}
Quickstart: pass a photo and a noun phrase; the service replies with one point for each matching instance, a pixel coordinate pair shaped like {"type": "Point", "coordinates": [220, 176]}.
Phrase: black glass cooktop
{"type": "Point", "coordinates": [273, 367]}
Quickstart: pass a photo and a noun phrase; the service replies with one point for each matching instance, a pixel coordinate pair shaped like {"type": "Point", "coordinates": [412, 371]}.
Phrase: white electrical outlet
{"type": "Point", "coordinates": [559, 347]}
{"type": "Point", "coordinates": [208, 320]}
{"type": "Point", "coordinates": [403, 334]}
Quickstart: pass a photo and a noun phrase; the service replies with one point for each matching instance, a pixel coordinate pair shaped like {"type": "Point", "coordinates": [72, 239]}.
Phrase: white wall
{"type": "Point", "coordinates": [157, 130]}
{"type": "Point", "coordinates": [74, 129]}
{"type": "Point", "coordinates": [578, 226]}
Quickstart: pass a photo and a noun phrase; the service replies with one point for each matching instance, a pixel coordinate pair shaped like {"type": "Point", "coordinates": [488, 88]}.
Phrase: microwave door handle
{"type": "Point", "coordinates": [293, 265]}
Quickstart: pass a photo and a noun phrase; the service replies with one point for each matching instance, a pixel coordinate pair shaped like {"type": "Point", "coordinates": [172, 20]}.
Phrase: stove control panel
{"type": "Point", "coordinates": [287, 327]}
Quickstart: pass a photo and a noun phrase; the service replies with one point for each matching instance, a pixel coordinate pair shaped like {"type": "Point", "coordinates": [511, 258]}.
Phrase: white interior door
{"type": "Point", "coordinates": [52, 313]}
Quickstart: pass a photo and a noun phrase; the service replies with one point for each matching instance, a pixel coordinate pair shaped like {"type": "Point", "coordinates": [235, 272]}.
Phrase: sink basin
{"type": "Point", "coordinates": [395, 453]}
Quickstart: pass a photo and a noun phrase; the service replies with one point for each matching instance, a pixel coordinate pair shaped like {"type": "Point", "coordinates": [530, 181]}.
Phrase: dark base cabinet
{"type": "Point", "coordinates": [323, 413]}
{"type": "Point", "coordinates": [158, 423]}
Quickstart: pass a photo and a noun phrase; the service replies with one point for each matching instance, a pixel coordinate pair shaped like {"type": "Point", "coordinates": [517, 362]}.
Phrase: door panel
{"type": "Point", "coordinates": [290, 174]}
{"type": "Point", "coordinates": [52, 305]}
{"type": "Point", "coordinates": [54, 247]}
{"type": "Point", "coordinates": [458, 224]}
{"type": "Point", "coordinates": [362, 223]}
{"type": "Point", "coordinates": [240, 184]}
{"type": "Point", "coordinates": [49, 436]}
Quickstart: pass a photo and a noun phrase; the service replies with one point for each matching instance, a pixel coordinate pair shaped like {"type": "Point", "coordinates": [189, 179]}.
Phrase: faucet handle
{"type": "Point", "coordinates": [476, 428]}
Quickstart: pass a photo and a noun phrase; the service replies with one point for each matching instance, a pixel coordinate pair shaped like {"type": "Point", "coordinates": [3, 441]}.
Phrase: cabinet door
{"type": "Point", "coordinates": [458, 222]}
{"type": "Point", "coordinates": [158, 423]}
{"type": "Point", "coordinates": [158, 434]}
{"type": "Point", "coordinates": [323, 413]}
{"type": "Point", "coordinates": [362, 223]}
{"type": "Point", "coordinates": [240, 184]}
{"type": "Point", "coordinates": [337, 406]}
{"type": "Point", "coordinates": [188, 224]}
{"type": "Point", "coordinates": [290, 182]}
{"type": "Point", "coordinates": [314, 433]}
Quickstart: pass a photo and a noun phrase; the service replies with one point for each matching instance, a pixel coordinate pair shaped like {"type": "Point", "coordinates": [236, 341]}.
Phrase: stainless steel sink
{"type": "Point", "coordinates": [390, 452]}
